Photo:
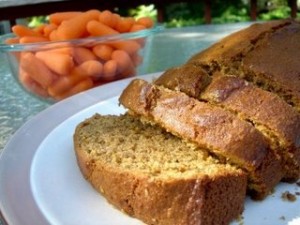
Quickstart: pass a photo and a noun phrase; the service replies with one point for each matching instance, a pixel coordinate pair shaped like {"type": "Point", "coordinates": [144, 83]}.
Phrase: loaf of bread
{"type": "Point", "coordinates": [266, 54]}
{"type": "Point", "coordinates": [156, 177]}
{"type": "Point", "coordinates": [219, 131]}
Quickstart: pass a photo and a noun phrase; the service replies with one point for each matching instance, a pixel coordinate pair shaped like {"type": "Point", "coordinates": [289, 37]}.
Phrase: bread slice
{"type": "Point", "coordinates": [265, 54]}
{"type": "Point", "coordinates": [154, 176]}
{"type": "Point", "coordinates": [271, 115]}
{"type": "Point", "coordinates": [221, 132]}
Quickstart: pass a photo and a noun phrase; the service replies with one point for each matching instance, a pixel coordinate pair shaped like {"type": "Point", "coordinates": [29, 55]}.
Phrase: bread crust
{"type": "Point", "coordinates": [211, 127]}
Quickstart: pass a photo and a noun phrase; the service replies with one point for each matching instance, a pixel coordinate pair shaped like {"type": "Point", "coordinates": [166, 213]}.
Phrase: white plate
{"type": "Point", "coordinates": [40, 182]}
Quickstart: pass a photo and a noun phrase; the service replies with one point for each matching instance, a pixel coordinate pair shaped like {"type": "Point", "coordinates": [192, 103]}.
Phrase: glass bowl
{"type": "Point", "coordinates": [55, 70]}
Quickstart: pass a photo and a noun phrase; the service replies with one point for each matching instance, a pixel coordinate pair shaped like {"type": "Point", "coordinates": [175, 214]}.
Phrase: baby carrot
{"type": "Point", "coordinates": [56, 62]}
{"type": "Point", "coordinates": [40, 29]}
{"type": "Point", "coordinates": [96, 28]}
{"type": "Point", "coordinates": [108, 18]}
{"type": "Point", "coordinates": [129, 46]}
{"type": "Point", "coordinates": [117, 17]}
{"type": "Point", "coordinates": [65, 83]}
{"type": "Point", "coordinates": [137, 27]}
{"type": "Point", "coordinates": [76, 26]}
{"type": "Point", "coordinates": [125, 24]}
{"type": "Point", "coordinates": [103, 51]}
{"type": "Point", "coordinates": [49, 28]}
{"type": "Point", "coordinates": [92, 68]}
{"type": "Point", "coordinates": [21, 31]}
{"type": "Point", "coordinates": [63, 50]}
{"type": "Point", "coordinates": [125, 65]}
{"type": "Point", "coordinates": [123, 61]}
{"type": "Point", "coordinates": [31, 85]}
{"type": "Point", "coordinates": [58, 18]}
{"type": "Point", "coordinates": [32, 39]}
{"type": "Point", "coordinates": [37, 70]}
{"type": "Point", "coordinates": [93, 14]}
{"type": "Point", "coordinates": [53, 36]}
{"type": "Point", "coordinates": [145, 21]}
{"type": "Point", "coordinates": [109, 70]}
{"type": "Point", "coordinates": [13, 40]}
{"type": "Point", "coordinates": [81, 86]}
{"type": "Point", "coordinates": [82, 54]}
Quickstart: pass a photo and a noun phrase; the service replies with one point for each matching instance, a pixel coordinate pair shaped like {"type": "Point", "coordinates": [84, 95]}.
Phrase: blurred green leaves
{"type": "Point", "coordinates": [144, 10]}
{"type": "Point", "coordinates": [36, 21]}
{"type": "Point", "coordinates": [192, 13]}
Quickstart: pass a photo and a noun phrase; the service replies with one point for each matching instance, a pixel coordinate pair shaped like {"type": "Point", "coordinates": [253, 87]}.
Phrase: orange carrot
{"type": "Point", "coordinates": [117, 17]}
{"type": "Point", "coordinates": [125, 24]}
{"type": "Point", "coordinates": [21, 31]}
{"type": "Point", "coordinates": [58, 18]}
{"type": "Point", "coordinates": [53, 36]}
{"type": "Point", "coordinates": [63, 50]}
{"type": "Point", "coordinates": [96, 28]}
{"type": "Point", "coordinates": [125, 65]}
{"type": "Point", "coordinates": [82, 54]}
{"type": "Point", "coordinates": [59, 63]}
{"type": "Point", "coordinates": [93, 14]}
{"type": "Point", "coordinates": [123, 60]}
{"type": "Point", "coordinates": [129, 46]}
{"type": "Point", "coordinates": [103, 51]}
{"type": "Point", "coordinates": [145, 21]}
{"type": "Point", "coordinates": [137, 27]}
{"type": "Point", "coordinates": [81, 86]}
{"type": "Point", "coordinates": [65, 83]}
{"type": "Point", "coordinates": [108, 18]}
{"type": "Point", "coordinates": [40, 29]}
{"type": "Point", "coordinates": [36, 69]}
{"type": "Point", "coordinates": [109, 70]}
{"type": "Point", "coordinates": [49, 28]}
{"type": "Point", "coordinates": [76, 26]}
{"type": "Point", "coordinates": [91, 68]}
{"type": "Point", "coordinates": [13, 40]}
{"type": "Point", "coordinates": [31, 85]}
{"type": "Point", "coordinates": [32, 39]}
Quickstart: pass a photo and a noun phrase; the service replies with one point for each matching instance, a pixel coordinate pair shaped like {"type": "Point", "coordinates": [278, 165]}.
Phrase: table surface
{"type": "Point", "coordinates": [168, 48]}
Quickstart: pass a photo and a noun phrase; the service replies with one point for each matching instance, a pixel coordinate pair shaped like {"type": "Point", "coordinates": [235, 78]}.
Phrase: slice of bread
{"type": "Point", "coordinates": [156, 177]}
{"type": "Point", "coordinates": [221, 132]}
{"type": "Point", "coordinates": [266, 54]}
{"type": "Point", "coordinates": [272, 116]}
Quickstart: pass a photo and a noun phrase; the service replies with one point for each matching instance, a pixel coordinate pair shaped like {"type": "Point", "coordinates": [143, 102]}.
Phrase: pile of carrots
{"type": "Point", "coordinates": [61, 72]}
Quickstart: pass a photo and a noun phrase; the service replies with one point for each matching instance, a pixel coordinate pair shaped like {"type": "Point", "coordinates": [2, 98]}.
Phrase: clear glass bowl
{"type": "Point", "coordinates": [55, 70]}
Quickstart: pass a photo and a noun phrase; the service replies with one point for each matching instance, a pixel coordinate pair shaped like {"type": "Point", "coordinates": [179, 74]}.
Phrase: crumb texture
{"type": "Point", "coordinates": [157, 177]}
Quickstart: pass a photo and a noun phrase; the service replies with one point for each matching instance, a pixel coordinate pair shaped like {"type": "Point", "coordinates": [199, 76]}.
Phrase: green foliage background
{"type": "Point", "coordinates": [231, 11]}
{"type": "Point", "coordinates": [192, 13]}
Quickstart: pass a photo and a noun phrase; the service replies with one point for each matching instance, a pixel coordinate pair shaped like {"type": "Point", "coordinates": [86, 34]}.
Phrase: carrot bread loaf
{"type": "Point", "coordinates": [271, 115]}
{"type": "Point", "coordinates": [156, 177]}
{"type": "Point", "coordinates": [266, 54]}
{"type": "Point", "coordinates": [231, 139]}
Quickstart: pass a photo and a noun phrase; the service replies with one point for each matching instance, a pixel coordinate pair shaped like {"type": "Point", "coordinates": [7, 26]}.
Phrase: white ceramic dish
{"type": "Point", "coordinates": [40, 182]}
